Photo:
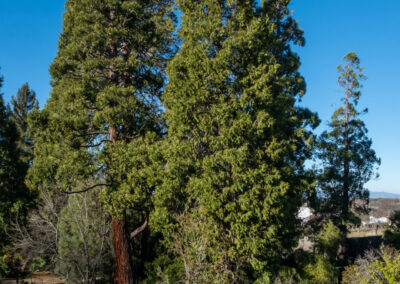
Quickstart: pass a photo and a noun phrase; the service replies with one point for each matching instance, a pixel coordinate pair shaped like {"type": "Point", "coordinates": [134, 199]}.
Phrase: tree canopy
{"type": "Point", "coordinates": [107, 78]}
{"type": "Point", "coordinates": [21, 106]}
{"type": "Point", "coordinates": [178, 151]}
{"type": "Point", "coordinates": [237, 140]}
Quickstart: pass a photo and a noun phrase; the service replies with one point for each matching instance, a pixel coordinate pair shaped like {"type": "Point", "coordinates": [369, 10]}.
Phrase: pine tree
{"type": "Point", "coordinates": [22, 105]}
{"type": "Point", "coordinates": [237, 140]}
{"type": "Point", "coordinates": [345, 151]}
{"type": "Point", "coordinates": [107, 77]}
{"type": "Point", "coordinates": [13, 193]}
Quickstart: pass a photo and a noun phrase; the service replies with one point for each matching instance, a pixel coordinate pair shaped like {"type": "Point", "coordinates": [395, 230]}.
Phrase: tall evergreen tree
{"type": "Point", "coordinates": [345, 151]}
{"type": "Point", "coordinates": [237, 140]}
{"type": "Point", "coordinates": [21, 106]}
{"type": "Point", "coordinates": [107, 77]}
{"type": "Point", "coordinates": [13, 192]}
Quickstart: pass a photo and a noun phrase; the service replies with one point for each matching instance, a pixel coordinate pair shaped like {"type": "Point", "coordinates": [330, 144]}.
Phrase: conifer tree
{"type": "Point", "coordinates": [22, 105]}
{"type": "Point", "coordinates": [345, 151]}
{"type": "Point", "coordinates": [236, 141]}
{"type": "Point", "coordinates": [107, 77]}
{"type": "Point", "coordinates": [13, 193]}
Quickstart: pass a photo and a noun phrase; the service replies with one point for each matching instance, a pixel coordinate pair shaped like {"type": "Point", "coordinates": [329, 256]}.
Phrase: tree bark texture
{"type": "Point", "coordinates": [123, 273]}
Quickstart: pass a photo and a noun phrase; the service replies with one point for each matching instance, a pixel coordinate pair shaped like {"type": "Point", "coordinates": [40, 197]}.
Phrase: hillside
{"type": "Point", "coordinates": [382, 207]}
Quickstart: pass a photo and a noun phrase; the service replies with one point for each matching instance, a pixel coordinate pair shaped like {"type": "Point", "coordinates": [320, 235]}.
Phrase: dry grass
{"type": "Point", "coordinates": [36, 278]}
{"type": "Point", "coordinates": [360, 233]}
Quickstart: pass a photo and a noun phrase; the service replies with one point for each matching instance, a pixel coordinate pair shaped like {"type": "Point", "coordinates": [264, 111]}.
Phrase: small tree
{"type": "Point", "coordinates": [321, 265]}
{"type": "Point", "coordinates": [84, 245]}
{"type": "Point", "coordinates": [380, 267]}
{"type": "Point", "coordinates": [392, 234]}
{"type": "Point", "coordinates": [20, 107]}
{"type": "Point", "coordinates": [345, 152]}
{"type": "Point", "coordinates": [68, 234]}
{"type": "Point", "coordinates": [37, 239]}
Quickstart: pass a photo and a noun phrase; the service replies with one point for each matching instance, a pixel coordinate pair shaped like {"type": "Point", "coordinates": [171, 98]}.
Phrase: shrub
{"type": "Point", "coordinates": [392, 234]}
{"type": "Point", "coordinates": [375, 268]}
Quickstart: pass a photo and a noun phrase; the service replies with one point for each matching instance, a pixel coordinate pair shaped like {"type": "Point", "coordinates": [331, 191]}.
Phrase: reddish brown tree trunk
{"type": "Point", "coordinates": [123, 273]}
{"type": "Point", "coordinates": [123, 270]}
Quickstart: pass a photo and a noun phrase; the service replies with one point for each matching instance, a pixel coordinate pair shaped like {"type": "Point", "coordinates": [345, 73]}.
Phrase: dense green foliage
{"type": "Point", "coordinates": [381, 267]}
{"type": "Point", "coordinates": [21, 106]}
{"type": "Point", "coordinates": [107, 77]}
{"type": "Point", "coordinates": [179, 156]}
{"type": "Point", "coordinates": [392, 234]}
{"type": "Point", "coordinates": [14, 196]}
{"type": "Point", "coordinates": [321, 269]}
{"type": "Point", "coordinates": [237, 140]}
{"type": "Point", "coordinates": [345, 151]}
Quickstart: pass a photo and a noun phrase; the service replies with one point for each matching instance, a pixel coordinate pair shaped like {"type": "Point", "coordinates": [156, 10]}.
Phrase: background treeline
{"type": "Point", "coordinates": [174, 151]}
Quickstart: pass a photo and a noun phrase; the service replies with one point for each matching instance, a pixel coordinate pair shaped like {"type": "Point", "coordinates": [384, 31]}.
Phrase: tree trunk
{"type": "Point", "coordinates": [123, 270]}
{"type": "Point", "coordinates": [123, 273]}
{"type": "Point", "coordinates": [346, 201]}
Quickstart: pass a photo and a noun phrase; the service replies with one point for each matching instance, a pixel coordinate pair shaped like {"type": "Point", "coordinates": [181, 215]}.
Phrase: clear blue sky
{"type": "Point", "coordinates": [29, 33]}
{"type": "Point", "coordinates": [371, 29]}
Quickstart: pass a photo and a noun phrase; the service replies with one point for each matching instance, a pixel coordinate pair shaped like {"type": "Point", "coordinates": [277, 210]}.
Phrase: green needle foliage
{"type": "Point", "coordinates": [345, 152]}
{"type": "Point", "coordinates": [22, 105]}
{"type": "Point", "coordinates": [8, 166]}
{"type": "Point", "coordinates": [237, 140]}
{"type": "Point", "coordinates": [107, 77]}
{"type": "Point", "coordinates": [13, 194]}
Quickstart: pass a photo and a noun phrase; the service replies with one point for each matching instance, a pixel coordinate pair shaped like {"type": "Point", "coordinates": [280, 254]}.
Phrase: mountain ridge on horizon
{"type": "Point", "coordinates": [383, 194]}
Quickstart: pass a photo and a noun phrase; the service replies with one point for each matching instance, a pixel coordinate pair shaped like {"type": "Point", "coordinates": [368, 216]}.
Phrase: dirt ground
{"type": "Point", "coordinates": [36, 278]}
{"type": "Point", "coordinates": [366, 232]}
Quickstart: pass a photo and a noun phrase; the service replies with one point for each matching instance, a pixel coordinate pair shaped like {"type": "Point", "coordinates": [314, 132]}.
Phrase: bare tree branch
{"type": "Point", "coordinates": [86, 189]}
{"type": "Point", "coordinates": [94, 145]}
{"type": "Point", "coordinates": [140, 229]}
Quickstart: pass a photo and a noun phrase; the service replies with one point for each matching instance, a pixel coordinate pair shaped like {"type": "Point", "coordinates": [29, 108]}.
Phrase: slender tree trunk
{"type": "Point", "coordinates": [343, 246]}
{"type": "Point", "coordinates": [345, 208]}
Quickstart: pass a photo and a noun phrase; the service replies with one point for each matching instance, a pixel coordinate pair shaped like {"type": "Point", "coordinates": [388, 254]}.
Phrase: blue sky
{"type": "Point", "coordinates": [371, 29]}
{"type": "Point", "coordinates": [29, 33]}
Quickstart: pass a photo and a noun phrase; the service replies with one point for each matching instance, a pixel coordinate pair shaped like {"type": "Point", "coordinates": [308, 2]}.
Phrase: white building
{"type": "Point", "coordinates": [304, 213]}
{"type": "Point", "coordinates": [378, 220]}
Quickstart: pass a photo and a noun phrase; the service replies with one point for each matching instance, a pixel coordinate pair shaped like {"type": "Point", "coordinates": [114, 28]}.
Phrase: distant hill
{"type": "Point", "coordinates": [382, 207]}
{"type": "Point", "coordinates": [375, 195]}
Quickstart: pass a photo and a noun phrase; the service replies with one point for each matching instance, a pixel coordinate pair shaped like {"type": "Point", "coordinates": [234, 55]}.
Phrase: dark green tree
{"type": "Point", "coordinates": [104, 105]}
{"type": "Point", "coordinates": [13, 193]}
{"type": "Point", "coordinates": [392, 233]}
{"type": "Point", "coordinates": [21, 106]}
{"type": "Point", "coordinates": [348, 161]}
{"type": "Point", "coordinates": [237, 140]}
